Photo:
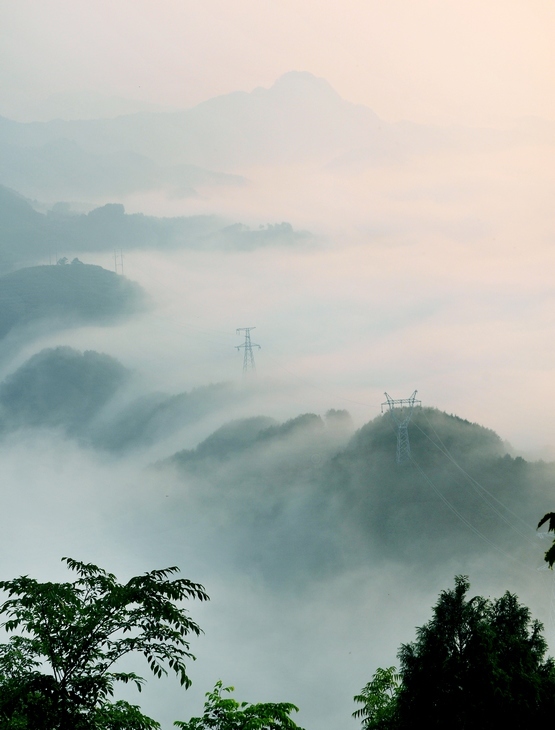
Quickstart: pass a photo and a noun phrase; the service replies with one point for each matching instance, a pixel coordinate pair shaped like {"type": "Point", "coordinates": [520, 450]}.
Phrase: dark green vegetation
{"type": "Point", "coordinates": [59, 388]}
{"type": "Point", "coordinates": [29, 237]}
{"type": "Point", "coordinates": [59, 671]}
{"type": "Point", "coordinates": [476, 664]}
{"type": "Point", "coordinates": [66, 295]}
{"type": "Point", "coordinates": [462, 494]}
{"type": "Point", "coordinates": [550, 553]}
{"type": "Point", "coordinates": [379, 698]}
{"type": "Point", "coordinates": [69, 390]}
{"type": "Point", "coordinates": [225, 713]}
{"type": "Point", "coordinates": [316, 498]}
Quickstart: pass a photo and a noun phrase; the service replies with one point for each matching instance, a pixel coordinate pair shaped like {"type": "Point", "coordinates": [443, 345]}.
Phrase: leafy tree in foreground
{"type": "Point", "coordinates": [550, 553]}
{"type": "Point", "coordinates": [221, 713]}
{"type": "Point", "coordinates": [58, 672]}
{"type": "Point", "coordinates": [379, 699]}
{"type": "Point", "coordinates": [476, 664]}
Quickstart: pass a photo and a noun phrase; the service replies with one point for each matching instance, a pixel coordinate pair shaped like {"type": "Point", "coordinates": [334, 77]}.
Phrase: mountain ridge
{"type": "Point", "coordinates": [28, 237]}
{"type": "Point", "coordinates": [299, 119]}
{"type": "Point", "coordinates": [67, 294]}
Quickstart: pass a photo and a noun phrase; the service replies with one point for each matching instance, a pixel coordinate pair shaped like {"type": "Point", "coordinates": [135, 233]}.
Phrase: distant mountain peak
{"type": "Point", "coordinates": [303, 82]}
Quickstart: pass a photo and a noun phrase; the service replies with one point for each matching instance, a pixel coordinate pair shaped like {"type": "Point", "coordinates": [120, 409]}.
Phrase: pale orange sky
{"type": "Point", "coordinates": [465, 61]}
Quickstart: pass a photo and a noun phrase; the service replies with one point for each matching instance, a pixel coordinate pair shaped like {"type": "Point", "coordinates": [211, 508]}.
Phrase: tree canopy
{"type": "Point", "coordinates": [379, 699]}
{"type": "Point", "coordinates": [59, 671]}
{"type": "Point", "coordinates": [550, 553]}
{"type": "Point", "coordinates": [225, 713]}
{"type": "Point", "coordinates": [476, 664]}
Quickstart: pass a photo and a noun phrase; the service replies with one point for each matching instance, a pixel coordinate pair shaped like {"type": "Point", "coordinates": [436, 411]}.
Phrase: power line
{"type": "Point", "coordinates": [464, 520]}
{"type": "Point", "coordinates": [482, 492]}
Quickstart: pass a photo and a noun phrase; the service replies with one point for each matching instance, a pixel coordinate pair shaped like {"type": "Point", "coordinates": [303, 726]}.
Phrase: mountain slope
{"type": "Point", "coordinates": [299, 120]}
{"type": "Point", "coordinates": [70, 294]}
{"type": "Point", "coordinates": [28, 237]}
{"type": "Point", "coordinates": [333, 507]}
{"type": "Point", "coordinates": [59, 388]}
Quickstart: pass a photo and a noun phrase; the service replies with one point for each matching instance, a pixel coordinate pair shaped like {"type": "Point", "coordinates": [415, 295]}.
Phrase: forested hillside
{"type": "Point", "coordinates": [29, 237]}
{"type": "Point", "coordinates": [304, 488]}
{"type": "Point", "coordinates": [73, 293]}
{"type": "Point", "coordinates": [66, 389]}
{"type": "Point", "coordinates": [59, 388]}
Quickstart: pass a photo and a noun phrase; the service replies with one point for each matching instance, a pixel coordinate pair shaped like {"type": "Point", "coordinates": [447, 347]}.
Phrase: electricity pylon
{"type": "Point", "coordinates": [248, 356]}
{"type": "Point", "coordinates": [401, 413]}
{"type": "Point", "coordinates": [118, 261]}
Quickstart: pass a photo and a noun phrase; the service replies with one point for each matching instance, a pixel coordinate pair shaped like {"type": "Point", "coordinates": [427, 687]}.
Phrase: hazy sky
{"type": "Point", "coordinates": [432, 272]}
{"type": "Point", "coordinates": [425, 60]}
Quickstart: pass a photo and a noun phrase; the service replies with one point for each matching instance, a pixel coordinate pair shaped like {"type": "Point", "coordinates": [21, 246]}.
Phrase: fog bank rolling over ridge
{"type": "Point", "coordinates": [29, 236]}
{"type": "Point", "coordinates": [464, 492]}
{"type": "Point", "coordinates": [310, 525]}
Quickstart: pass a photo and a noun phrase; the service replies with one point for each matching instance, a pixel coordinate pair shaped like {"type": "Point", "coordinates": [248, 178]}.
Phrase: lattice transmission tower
{"type": "Point", "coordinates": [248, 355]}
{"type": "Point", "coordinates": [118, 262]}
{"type": "Point", "coordinates": [401, 413]}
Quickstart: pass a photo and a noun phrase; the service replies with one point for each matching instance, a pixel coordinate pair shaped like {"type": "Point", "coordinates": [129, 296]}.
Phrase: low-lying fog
{"type": "Point", "coordinates": [432, 274]}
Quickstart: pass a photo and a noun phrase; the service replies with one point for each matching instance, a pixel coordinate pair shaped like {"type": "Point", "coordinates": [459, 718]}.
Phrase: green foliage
{"type": "Point", "coordinates": [379, 699]}
{"type": "Point", "coordinates": [122, 716]}
{"type": "Point", "coordinates": [221, 713]}
{"type": "Point", "coordinates": [477, 663]}
{"type": "Point", "coordinates": [387, 506]}
{"type": "Point", "coordinates": [550, 554]}
{"type": "Point", "coordinates": [58, 671]}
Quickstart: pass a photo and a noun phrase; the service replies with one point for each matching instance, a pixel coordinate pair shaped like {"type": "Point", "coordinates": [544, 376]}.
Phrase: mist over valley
{"type": "Point", "coordinates": [301, 514]}
{"type": "Point", "coordinates": [365, 255]}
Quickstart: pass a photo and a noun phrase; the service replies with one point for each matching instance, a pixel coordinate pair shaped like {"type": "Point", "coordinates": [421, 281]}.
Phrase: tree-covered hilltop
{"type": "Point", "coordinates": [462, 493]}
{"type": "Point", "coordinates": [308, 492]}
{"type": "Point", "coordinates": [68, 390]}
{"type": "Point", "coordinates": [73, 293]}
{"type": "Point", "coordinates": [303, 489]}
{"type": "Point", "coordinates": [59, 388]}
{"type": "Point", "coordinates": [28, 236]}
{"type": "Point", "coordinates": [250, 435]}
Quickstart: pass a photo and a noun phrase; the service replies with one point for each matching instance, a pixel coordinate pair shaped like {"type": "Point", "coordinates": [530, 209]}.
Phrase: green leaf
{"type": "Point", "coordinates": [76, 632]}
